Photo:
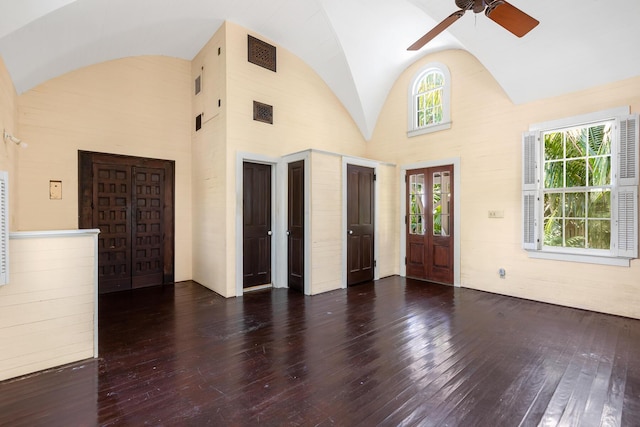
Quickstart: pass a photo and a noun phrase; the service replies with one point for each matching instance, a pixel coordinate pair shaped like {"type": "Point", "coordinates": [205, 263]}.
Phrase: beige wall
{"type": "Point", "coordinates": [326, 222]}
{"type": "Point", "coordinates": [9, 152]}
{"type": "Point", "coordinates": [47, 310]}
{"type": "Point", "coordinates": [135, 106]}
{"type": "Point", "coordinates": [209, 168]}
{"type": "Point", "coordinates": [486, 136]}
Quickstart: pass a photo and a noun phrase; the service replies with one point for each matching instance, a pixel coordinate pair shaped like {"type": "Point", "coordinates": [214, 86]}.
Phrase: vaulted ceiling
{"type": "Point", "coordinates": [357, 46]}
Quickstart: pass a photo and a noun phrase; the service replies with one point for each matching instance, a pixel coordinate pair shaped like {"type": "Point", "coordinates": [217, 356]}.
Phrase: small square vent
{"type": "Point", "coordinates": [262, 112]}
{"type": "Point", "coordinates": [262, 53]}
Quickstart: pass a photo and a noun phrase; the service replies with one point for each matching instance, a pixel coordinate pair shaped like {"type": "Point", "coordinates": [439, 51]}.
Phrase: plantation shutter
{"type": "Point", "coordinates": [4, 228]}
{"type": "Point", "coordinates": [627, 194]}
{"type": "Point", "coordinates": [529, 190]}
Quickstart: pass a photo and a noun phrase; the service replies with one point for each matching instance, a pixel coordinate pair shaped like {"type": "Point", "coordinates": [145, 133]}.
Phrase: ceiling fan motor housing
{"type": "Point", "coordinates": [464, 4]}
{"type": "Point", "coordinates": [476, 5]}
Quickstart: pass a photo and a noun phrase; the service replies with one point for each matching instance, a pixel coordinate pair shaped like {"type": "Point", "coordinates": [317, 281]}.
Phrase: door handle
{"type": "Point", "coordinates": [269, 233]}
{"type": "Point", "coordinates": [350, 231]}
{"type": "Point", "coordinates": [288, 233]}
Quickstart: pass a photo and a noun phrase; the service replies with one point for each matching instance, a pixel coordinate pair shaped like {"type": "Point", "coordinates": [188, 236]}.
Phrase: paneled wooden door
{"type": "Point", "coordinates": [360, 224]}
{"type": "Point", "coordinates": [130, 200]}
{"type": "Point", "coordinates": [429, 231]}
{"type": "Point", "coordinates": [256, 229]}
{"type": "Point", "coordinates": [295, 226]}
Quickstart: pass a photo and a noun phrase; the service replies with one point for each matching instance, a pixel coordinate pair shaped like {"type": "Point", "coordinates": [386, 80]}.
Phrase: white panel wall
{"type": "Point", "coordinates": [47, 311]}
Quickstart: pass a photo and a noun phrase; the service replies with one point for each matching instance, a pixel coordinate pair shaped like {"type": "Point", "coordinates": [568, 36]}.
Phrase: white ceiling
{"type": "Point", "coordinates": [357, 46]}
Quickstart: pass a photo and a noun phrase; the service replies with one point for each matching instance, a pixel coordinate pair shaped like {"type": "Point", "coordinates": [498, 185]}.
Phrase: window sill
{"type": "Point", "coordinates": [429, 129]}
{"type": "Point", "coordinates": [589, 259]}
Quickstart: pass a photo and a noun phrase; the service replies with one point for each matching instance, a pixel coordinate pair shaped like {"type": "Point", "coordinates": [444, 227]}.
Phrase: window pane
{"type": "Point", "coordinates": [554, 174]}
{"type": "Point", "coordinates": [439, 79]}
{"type": "Point", "coordinates": [416, 204]}
{"type": "Point", "coordinates": [576, 141]}
{"type": "Point", "coordinates": [437, 113]}
{"type": "Point", "coordinates": [553, 232]}
{"type": "Point", "coordinates": [430, 81]}
{"type": "Point", "coordinates": [441, 199]}
{"type": "Point", "coordinates": [599, 234]}
{"type": "Point", "coordinates": [420, 118]}
{"type": "Point", "coordinates": [600, 204]}
{"type": "Point", "coordinates": [422, 87]}
{"type": "Point", "coordinates": [552, 205]}
{"type": "Point", "coordinates": [575, 206]}
{"type": "Point", "coordinates": [553, 146]}
{"type": "Point", "coordinates": [429, 100]}
{"type": "Point", "coordinates": [600, 140]}
{"type": "Point", "coordinates": [576, 173]}
{"type": "Point", "coordinates": [599, 171]}
{"type": "Point", "coordinates": [429, 116]}
{"type": "Point", "coordinates": [574, 233]}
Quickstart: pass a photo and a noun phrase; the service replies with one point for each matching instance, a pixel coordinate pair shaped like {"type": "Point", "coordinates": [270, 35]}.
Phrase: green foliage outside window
{"type": "Point", "coordinates": [577, 187]}
{"type": "Point", "coordinates": [429, 99]}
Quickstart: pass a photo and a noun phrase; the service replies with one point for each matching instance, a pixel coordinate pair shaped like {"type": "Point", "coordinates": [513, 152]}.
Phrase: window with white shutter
{"type": "Point", "coordinates": [580, 188]}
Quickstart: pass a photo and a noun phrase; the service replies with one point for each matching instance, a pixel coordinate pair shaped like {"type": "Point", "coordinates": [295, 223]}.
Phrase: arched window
{"type": "Point", "coordinates": [429, 100]}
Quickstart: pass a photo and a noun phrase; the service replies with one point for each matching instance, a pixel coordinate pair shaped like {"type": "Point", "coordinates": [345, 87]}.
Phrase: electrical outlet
{"type": "Point", "coordinates": [496, 214]}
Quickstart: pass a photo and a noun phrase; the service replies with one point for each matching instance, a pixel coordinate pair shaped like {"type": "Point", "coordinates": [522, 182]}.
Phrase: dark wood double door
{"type": "Point", "coordinates": [130, 199]}
{"type": "Point", "coordinates": [429, 219]}
{"type": "Point", "coordinates": [257, 225]}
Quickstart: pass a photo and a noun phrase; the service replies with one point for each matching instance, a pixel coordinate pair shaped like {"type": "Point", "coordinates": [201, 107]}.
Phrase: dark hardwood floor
{"type": "Point", "coordinates": [393, 352]}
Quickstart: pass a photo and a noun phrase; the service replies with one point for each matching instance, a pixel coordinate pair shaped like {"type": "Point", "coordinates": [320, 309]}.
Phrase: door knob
{"type": "Point", "coordinates": [288, 233]}
{"type": "Point", "coordinates": [269, 233]}
{"type": "Point", "coordinates": [350, 231]}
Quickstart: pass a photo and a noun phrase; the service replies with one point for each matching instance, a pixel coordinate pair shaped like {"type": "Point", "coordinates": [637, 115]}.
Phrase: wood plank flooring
{"type": "Point", "coordinates": [393, 352]}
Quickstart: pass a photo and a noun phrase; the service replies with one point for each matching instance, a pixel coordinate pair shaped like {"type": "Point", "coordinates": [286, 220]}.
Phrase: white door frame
{"type": "Point", "coordinates": [455, 161]}
{"type": "Point", "coordinates": [376, 191]}
{"type": "Point", "coordinates": [242, 157]}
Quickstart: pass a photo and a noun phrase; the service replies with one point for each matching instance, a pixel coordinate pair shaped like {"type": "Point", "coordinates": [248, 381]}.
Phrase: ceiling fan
{"type": "Point", "coordinates": [502, 13]}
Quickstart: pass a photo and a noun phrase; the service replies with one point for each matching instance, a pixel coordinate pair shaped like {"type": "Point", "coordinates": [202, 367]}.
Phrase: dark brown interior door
{"type": "Point", "coordinates": [360, 224]}
{"type": "Point", "coordinates": [295, 226]}
{"type": "Point", "coordinates": [111, 198]}
{"type": "Point", "coordinates": [147, 233]}
{"type": "Point", "coordinates": [130, 199]}
{"type": "Point", "coordinates": [256, 228]}
{"type": "Point", "coordinates": [429, 232]}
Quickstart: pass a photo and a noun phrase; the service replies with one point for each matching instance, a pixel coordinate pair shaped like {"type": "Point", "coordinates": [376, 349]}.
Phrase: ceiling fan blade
{"type": "Point", "coordinates": [437, 30]}
{"type": "Point", "coordinates": [510, 18]}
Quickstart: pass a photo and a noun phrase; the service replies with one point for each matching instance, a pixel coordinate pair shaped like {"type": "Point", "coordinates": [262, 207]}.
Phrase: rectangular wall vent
{"type": "Point", "coordinates": [262, 53]}
{"type": "Point", "coordinates": [198, 84]}
{"type": "Point", "coordinates": [262, 112]}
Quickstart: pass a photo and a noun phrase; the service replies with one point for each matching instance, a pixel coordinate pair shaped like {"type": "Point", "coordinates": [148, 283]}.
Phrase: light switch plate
{"type": "Point", "coordinates": [496, 214]}
{"type": "Point", "coordinates": [55, 190]}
